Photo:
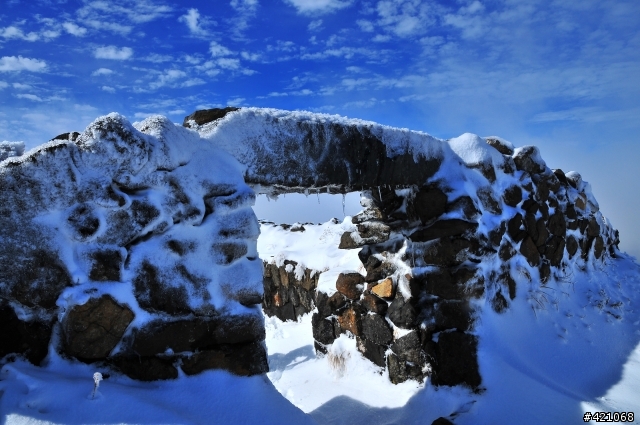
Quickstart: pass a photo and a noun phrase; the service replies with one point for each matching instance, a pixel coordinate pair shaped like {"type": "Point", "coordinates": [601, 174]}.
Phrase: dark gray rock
{"type": "Point", "coordinates": [452, 315]}
{"type": "Point", "coordinates": [572, 246]}
{"type": "Point", "coordinates": [106, 265]}
{"type": "Point", "coordinates": [241, 359]}
{"type": "Point", "coordinates": [530, 251]}
{"type": "Point", "coordinates": [488, 201]}
{"type": "Point", "coordinates": [376, 329]}
{"type": "Point", "coordinates": [554, 250]}
{"type": "Point", "coordinates": [457, 362]}
{"type": "Point", "coordinates": [430, 202]}
{"type": "Point", "coordinates": [30, 339]}
{"type": "Point", "coordinates": [374, 304]}
{"type": "Point", "coordinates": [499, 303]}
{"type": "Point", "coordinates": [515, 228]}
{"type": "Point", "coordinates": [500, 145]}
{"type": "Point", "coordinates": [402, 313]}
{"type": "Point", "coordinates": [443, 228]}
{"type": "Point", "coordinates": [323, 329]}
{"type": "Point", "coordinates": [372, 351]}
{"type": "Point", "coordinates": [512, 196]}
{"type": "Point", "coordinates": [205, 116]}
{"type": "Point", "coordinates": [528, 159]}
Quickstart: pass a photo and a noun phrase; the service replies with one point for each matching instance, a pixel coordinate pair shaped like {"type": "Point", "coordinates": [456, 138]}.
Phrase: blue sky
{"type": "Point", "coordinates": [561, 74]}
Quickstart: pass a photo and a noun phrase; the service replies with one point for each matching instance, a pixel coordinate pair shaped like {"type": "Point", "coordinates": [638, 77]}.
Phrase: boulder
{"type": "Point", "coordinates": [351, 285]}
{"type": "Point", "coordinates": [350, 320]}
{"type": "Point", "coordinates": [554, 250]}
{"type": "Point", "coordinates": [527, 158]}
{"type": "Point", "coordinates": [205, 116]}
{"type": "Point", "coordinates": [465, 206]}
{"type": "Point", "coordinates": [488, 201]}
{"type": "Point", "coordinates": [372, 351]}
{"type": "Point", "coordinates": [402, 312]}
{"type": "Point", "coordinates": [374, 304]}
{"type": "Point", "coordinates": [347, 241]}
{"type": "Point", "coordinates": [557, 224]}
{"type": "Point", "coordinates": [242, 359]}
{"type": "Point", "coordinates": [457, 360]}
{"type": "Point", "coordinates": [499, 303]}
{"type": "Point", "coordinates": [29, 338]}
{"type": "Point", "coordinates": [92, 330]}
{"type": "Point", "coordinates": [430, 202]}
{"type": "Point", "coordinates": [373, 232]}
{"type": "Point", "coordinates": [323, 329]}
{"type": "Point", "coordinates": [328, 305]}
{"type": "Point", "coordinates": [501, 145]}
{"type": "Point", "coordinates": [530, 251]}
{"type": "Point", "coordinates": [506, 251]}
{"type": "Point", "coordinates": [512, 196]}
{"type": "Point", "coordinates": [441, 284]}
{"type": "Point", "coordinates": [376, 329]}
{"type": "Point", "coordinates": [384, 289]}
{"type": "Point", "coordinates": [106, 265]}
{"type": "Point", "coordinates": [443, 228]}
{"type": "Point", "coordinates": [146, 368]}
{"type": "Point", "coordinates": [572, 246]}
{"type": "Point", "coordinates": [515, 228]}
{"type": "Point", "coordinates": [452, 315]}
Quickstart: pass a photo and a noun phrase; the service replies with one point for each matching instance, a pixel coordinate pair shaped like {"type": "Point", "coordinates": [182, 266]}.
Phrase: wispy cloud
{"type": "Point", "coordinates": [102, 71]}
{"type": "Point", "coordinates": [194, 23]}
{"type": "Point", "coordinates": [74, 29]}
{"type": "Point", "coordinates": [108, 89]}
{"type": "Point", "coordinates": [14, 32]}
{"type": "Point", "coordinates": [113, 53]}
{"type": "Point", "coordinates": [29, 96]}
{"type": "Point", "coordinates": [246, 11]}
{"type": "Point", "coordinates": [136, 11]}
{"type": "Point", "coordinates": [309, 7]}
{"type": "Point", "coordinates": [315, 25]}
{"type": "Point", "coordinates": [19, 63]}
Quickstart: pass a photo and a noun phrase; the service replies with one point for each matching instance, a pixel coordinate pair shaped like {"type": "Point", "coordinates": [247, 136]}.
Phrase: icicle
{"type": "Point", "coordinates": [380, 194]}
{"type": "Point", "coordinates": [343, 202]}
{"type": "Point", "coordinates": [318, 195]}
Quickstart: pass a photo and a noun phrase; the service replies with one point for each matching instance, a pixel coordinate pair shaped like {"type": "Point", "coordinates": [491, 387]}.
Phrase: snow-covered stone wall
{"type": "Point", "coordinates": [131, 245]}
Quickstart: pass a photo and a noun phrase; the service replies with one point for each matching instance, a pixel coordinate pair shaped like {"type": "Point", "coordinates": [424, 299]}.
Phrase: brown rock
{"type": "Point", "coordinates": [93, 329]}
{"type": "Point", "coordinates": [350, 284]}
{"type": "Point", "coordinates": [350, 321]}
{"type": "Point", "coordinates": [489, 203]}
{"type": "Point", "coordinates": [581, 201]}
{"type": "Point", "coordinates": [554, 250]}
{"type": "Point", "coordinates": [347, 242]}
{"type": "Point", "coordinates": [557, 224]}
{"type": "Point", "coordinates": [598, 246]}
{"type": "Point", "coordinates": [384, 289]}
{"type": "Point", "coordinates": [499, 145]}
{"type": "Point", "coordinates": [572, 246]}
{"type": "Point", "coordinates": [106, 265]}
{"type": "Point", "coordinates": [204, 116]}
{"type": "Point", "coordinates": [514, 228]}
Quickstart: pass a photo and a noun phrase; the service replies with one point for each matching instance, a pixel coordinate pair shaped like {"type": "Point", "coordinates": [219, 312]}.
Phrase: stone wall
{"type": "Point", "coordinates": [126, 242]}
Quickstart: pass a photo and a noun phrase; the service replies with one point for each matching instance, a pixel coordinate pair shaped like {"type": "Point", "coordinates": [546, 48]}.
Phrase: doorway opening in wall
{"type": "Point", "coordinates": [313, 208]}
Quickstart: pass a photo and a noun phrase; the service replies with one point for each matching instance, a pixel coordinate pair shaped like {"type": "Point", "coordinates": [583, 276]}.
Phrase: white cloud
{"type": "Point", "coordinates": [119, 29]}
{"type": "Point", "coordinates": [254, 57]}
{"type": "Point", "coordinates": [108, 89]}
{"type": "Point", "coordinates": [366, 26]}
{"type": "Point", "coordinates": [3, 85]}
{"type": "Point", "coordinates": [236, 101]}
{"type": "Point", "coordinates": [217, 50]}
{"type": "Point", "coordinates": [15, 32]}
{"type": "Point", "coordinates": [85, 108]}
{"type": "Point", "coordinates": [20, 86]}
{"type": "Point", "coordinates": [404, 17]}
{"type": "Point", "coordinates": [74, 29]}
{"type": "Point", "coordinates": [228, 63]}
{"type": "Point", "coordinates": [112, 52]}
{"type": "Point", "coordinates": [315, 25]}
{"type": "Point", "coordinates": [303, 92]}
{"type": "Point", "coordinates": [102, 71]}
{"type": "Point", "coordinates": [192, 20]}
{"type": "Point", "coordinates": [28, 96]}
{"type": "Point", "coordinates": [19, 63]}
{"type": "Point", "coordinates": [246, 10]}
{"type": "Point", "coordinates": [381, 38]}
{"type": "Point", "coordinates": [193, 82]}
{"type": "Point", "coordinates": [136, 11]}
{"type": "Point", "coordinates": [309, 7]}
{"type": "Point", "coordinates": [157, 58]}
{"type": "Point", "coordinates": [168, 77]}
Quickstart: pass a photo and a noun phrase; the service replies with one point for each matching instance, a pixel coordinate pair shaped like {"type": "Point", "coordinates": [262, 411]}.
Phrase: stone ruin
{"type": "Point", "coordinates": [434, 254]}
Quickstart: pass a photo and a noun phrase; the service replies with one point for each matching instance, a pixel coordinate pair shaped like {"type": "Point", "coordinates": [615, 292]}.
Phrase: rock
{"type": "Point", "coordinates": [554, 250]}
{"type": "Point", "coordinates": [452, 315]}
{"type": "Point", "coordinates": [225, 253]}
{"type": "Point", "coordinates": [384, 289]}
{"type": "Point", "coordinates": [400, 370]}
{"type": "Point", "coordinates": [442, 421]}
{"type": "Point", "coordinates": [570, 212]}
{"type": "Point", "coordinates": [402, 313]}
{"type": "Point", "coordinates": [465, 206]}
{"type": "Point", "coordinates": [373, 232]}
{"type": "Point", "coordinates": [205, 116]}
{"type": "Point", "coordinates": [442, 285]}
{"type": "Point", "coordinates": [83, 221]}
{"type": "Point", "coordinates": [489, 203]}
{"type": "Point", "coordinates": [495, 235]}
{"type": "Point", "coordinates": [106, 265]}
{"type": "Point", "coordinates": [430, 202]}
{"type": "Point", "coordinates": [243, 360]}
{"type": "Point", "coordinates": [527, 158]}
{"type": "Point", "coordinates": [560, 176]}
{"type": "Point", "coordinates": [545, 272]}
{"type": "Point", "coordinates": [146, 368]}
{"type": "Point", "coordinates": [598, 246]}
{"type": "Point", "coordinates": [512, 196]}
{"type": "Point", "coordinates": [323, 329]}
{"type": "Point", "coordinates": [376, 329]}
{"type": "Point", "coordinates": [443, 228]}
{"type": "Point", "coordinates": [408, 348]}
{"type": "Point", "coordinates": [28, 338]}
{"type": "Point", "coordinates": [39, 279]}
{"type": "Point", "coordinates": [593, 229]}
{"type": "Point", "coordinates": [502, 146]}
{"type": "Point", "coordinates": [506, 279]}
{"type": "Point", "coordinates": [572, 246]}
{"type": "Point", "coordinates": [93, 329]}
{"type": "Point", "coordinates": [581, 202]}
{"type": "Point", "coordinates": [372, 351]}
{"type": "Point", "coordinates": [374, 304]}
{"type": "Point", "coordinates": [530, 251]}
{"type": "Point", "coordinates": [457, 360]}
{"type": "Point", "coordinates": [350, 285]}
{"type": "Point", "coordinates": [514, 228]}
{"type": "Point", "coordinates": [156, 295]}
{"type": "Point", "coordinates": [499, 303]}
{"type": "Point", "coordinates": [385, 198]}
{"type": "Point", "coordinates": [347, 242]}
{"type": "Point", "coordinates": [350, 320]}
{"type": "Point", "coordinates": [506, 251]}
{"type": "Point", "coordinates": [557, 224]}
{"type": "Point", "coordinates": [328, 305]}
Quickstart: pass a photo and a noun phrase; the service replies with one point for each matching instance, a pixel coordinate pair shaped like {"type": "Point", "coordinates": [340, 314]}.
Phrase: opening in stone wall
{"type": "Point", "coordinates": [312, 208]}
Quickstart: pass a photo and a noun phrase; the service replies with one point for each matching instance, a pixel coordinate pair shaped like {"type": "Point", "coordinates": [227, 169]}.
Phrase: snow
{"type": "Point", "coordinates": [10, 149]}
{"type": "Point", "coordinates": [474, 150]}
